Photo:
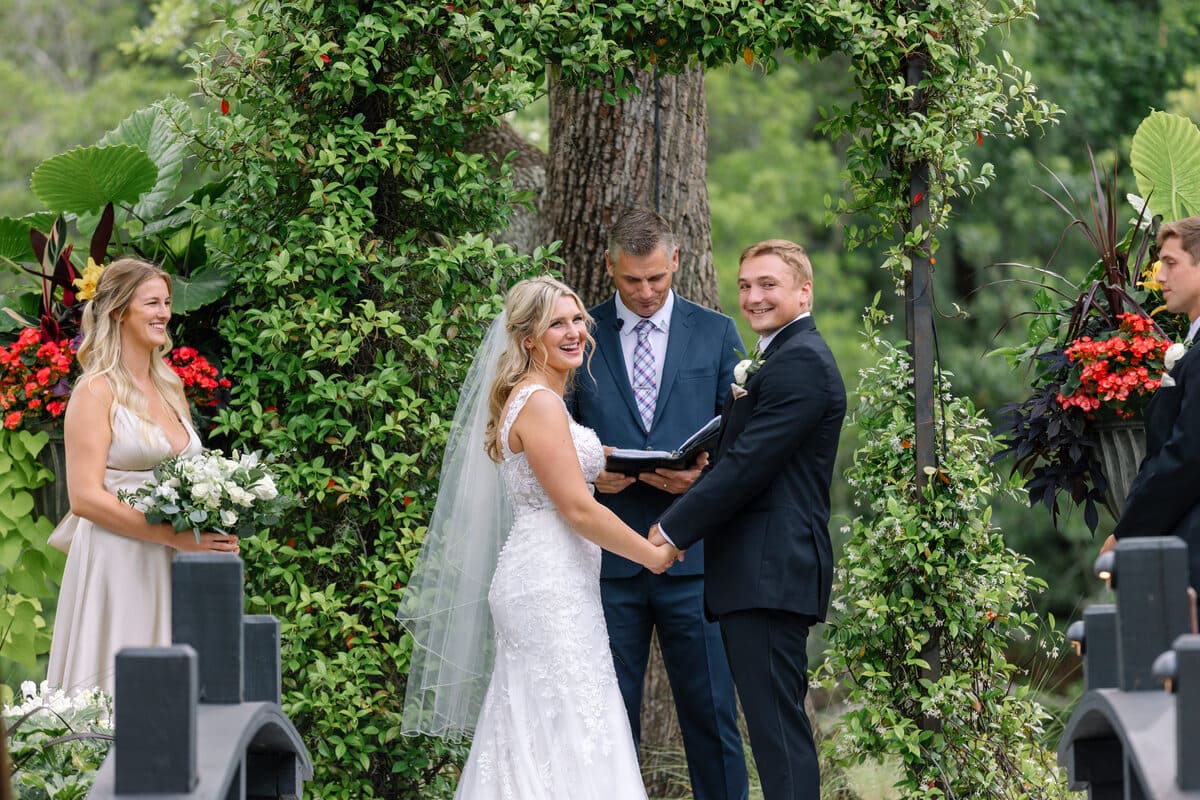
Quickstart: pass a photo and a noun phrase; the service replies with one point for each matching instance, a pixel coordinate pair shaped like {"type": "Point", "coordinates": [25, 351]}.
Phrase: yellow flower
{"type": "Point", "coordinates": [86, 283]}
{"type": "Point", "coordinates": [1147, 282]}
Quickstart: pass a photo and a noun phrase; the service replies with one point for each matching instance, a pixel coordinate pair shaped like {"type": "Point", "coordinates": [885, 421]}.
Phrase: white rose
{"type": "Point", "coordinates": [1173, 354]}
{"type": "Point", "coordinates": [203, 491]}
{"type": "Point", "coordinates": [228, 517]}
{"type": "Point", "coordinates": [265, 489]}
{"type": "Point", "coordinates": [739, 372]}
{"type": "Point", "coordinates": [240, 496]}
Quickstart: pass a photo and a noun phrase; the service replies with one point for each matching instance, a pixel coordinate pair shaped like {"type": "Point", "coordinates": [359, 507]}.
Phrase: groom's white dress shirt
{"type": "Point", "coordinates": [1192, 331]}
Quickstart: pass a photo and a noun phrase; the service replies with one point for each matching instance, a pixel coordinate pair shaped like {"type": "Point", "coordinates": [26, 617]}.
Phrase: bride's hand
{"type": "Point", "coordinates": [662, 558]}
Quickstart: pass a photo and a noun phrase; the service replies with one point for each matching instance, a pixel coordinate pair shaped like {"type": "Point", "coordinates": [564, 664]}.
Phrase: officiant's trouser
{"type": "Point", "coordinates": [767, 651]}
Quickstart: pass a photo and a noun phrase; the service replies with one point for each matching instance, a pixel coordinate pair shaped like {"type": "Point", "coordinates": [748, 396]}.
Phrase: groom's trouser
{"type": "Point", "coordinates": [767, 651]}
{"type": "Point", "coordinates": [696, 667]}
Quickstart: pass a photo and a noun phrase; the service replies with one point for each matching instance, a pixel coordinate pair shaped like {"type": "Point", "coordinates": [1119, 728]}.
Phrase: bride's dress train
{"type": "Point", "coordinates": [553, 725]}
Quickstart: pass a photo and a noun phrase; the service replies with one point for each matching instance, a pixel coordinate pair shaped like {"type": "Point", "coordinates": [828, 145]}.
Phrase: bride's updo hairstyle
{"type": "Point", "coordinates": [100, 353]}
{"type": "Point", "coordinates": [528, 309]}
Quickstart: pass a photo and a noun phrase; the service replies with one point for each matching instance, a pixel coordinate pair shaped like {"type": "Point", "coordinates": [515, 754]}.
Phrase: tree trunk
{"type": "Point", "coordinates": [607, 157]}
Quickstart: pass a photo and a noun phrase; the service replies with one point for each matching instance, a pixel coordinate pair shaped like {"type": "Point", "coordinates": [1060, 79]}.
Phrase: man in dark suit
{"type": "Point", "coordinates": [1164, 499]}
{"type": "Point", "coordinates": [762, 509]}
{"type": "Point", "coordinates": [661, 369]}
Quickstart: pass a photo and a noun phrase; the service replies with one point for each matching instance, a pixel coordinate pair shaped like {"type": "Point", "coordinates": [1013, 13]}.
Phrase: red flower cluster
{"type": "Point", "coordinates": [37, 372]}
{"type": "Point", "coordinates": [1116, 374]}
{"type": "Point", "coordinates": [34, 378]}
{"type": "Point", "coordinates": [200, 379]}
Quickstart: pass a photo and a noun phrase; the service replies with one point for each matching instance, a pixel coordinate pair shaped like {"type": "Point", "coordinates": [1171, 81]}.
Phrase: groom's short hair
{"type": "Point", "coordinates": [789, 253]}
{"type": "Point", "coordinates": [1187, 230]}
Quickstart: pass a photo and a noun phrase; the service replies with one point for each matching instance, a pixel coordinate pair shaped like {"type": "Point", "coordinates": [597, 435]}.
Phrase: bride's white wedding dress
{"type": "Point", "coordinates": [553, 725]}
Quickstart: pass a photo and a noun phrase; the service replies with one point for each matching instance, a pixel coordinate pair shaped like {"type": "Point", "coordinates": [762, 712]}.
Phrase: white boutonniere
{"type": "Point", "coordinates": [1174, 353]}
{"type": "Point", "coordinates": [1170, 359]}
{"type": "Point", "coordinates": [742, 373]}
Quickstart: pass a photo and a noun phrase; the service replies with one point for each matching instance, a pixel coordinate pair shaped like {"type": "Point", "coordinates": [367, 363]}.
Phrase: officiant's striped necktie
{"type": "Point", "coordinates": [645, 390]}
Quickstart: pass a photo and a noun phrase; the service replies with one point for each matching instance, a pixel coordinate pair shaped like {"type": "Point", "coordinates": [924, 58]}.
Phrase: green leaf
{"type": "Point", "coordinates": [155, 132]}
{"type": "Point", "coordinates": [1165, 155]}
{"type": "Point", "coordinates": [83, 180]}
{"type": "Point", "coordinates": [200, 289]}
{"type": "Point", "coordinates": [14, 235]}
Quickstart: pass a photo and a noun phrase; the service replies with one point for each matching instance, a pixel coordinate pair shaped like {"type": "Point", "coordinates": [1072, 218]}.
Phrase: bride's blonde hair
{"type": "Point", "coordinates": [100, 353]}
{"type": "Point", "coordinates": [528, 309]}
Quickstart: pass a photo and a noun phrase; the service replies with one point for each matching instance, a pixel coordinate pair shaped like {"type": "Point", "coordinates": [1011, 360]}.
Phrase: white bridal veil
{"type": "Point", "coordinates": [445, 606]}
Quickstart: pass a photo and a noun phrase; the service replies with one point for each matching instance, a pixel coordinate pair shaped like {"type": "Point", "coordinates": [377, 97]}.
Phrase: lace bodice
{"type": "Point", "coordinates": [524, 491]}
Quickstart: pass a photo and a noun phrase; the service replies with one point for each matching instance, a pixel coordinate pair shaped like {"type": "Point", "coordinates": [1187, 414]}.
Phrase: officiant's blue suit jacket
{"type": "Point", "coordinates": [761, 507]}
{"type": "Point", "coordinates": [1164, 499]}
{"type": "Point", "coordinates": [702, 349]}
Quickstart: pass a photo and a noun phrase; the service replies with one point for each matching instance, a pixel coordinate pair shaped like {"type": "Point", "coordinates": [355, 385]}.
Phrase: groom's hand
{"type": "Point", "coordinates": [674, 481]}
{"type": "Point", "coordinates": [656, 538]}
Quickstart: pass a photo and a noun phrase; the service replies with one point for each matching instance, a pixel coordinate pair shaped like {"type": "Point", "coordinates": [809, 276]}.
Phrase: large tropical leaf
{"type": "Point", "coordinates": [202, 288]}
{"type": "Point", "coordinates": [14, 234]}
{"type": "Point", "coordinates": [1166, 161]}
{"type": "Point", "coordinates": [85, 179]}
{"type": "Point", "coordinates": [156, 131]}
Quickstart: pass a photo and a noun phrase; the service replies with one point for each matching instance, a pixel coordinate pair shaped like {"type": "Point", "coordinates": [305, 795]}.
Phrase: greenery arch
{"type": "Point", "coordinates": [353, 221]}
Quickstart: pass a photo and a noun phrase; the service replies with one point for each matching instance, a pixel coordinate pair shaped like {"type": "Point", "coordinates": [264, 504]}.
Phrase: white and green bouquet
{"type": "Point", "coordinates": [210, 492]}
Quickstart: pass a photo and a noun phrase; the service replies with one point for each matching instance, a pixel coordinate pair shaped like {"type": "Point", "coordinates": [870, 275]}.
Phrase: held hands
{"type": "Point", "coordinates": [667, 552]}
{"type": "Point", "coordinates": [673, 481]}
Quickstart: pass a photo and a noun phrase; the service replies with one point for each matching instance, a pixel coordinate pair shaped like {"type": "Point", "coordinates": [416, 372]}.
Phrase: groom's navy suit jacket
{"type": "Point", "coordinates": [762, 504]}
{"type": "Point", "coordinates": [1164, 499]}
{"type": "Point", "coordinates": [702, 350]}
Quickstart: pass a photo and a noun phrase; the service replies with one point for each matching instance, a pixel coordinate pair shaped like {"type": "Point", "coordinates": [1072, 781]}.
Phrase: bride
{"type": "Point", "coordinates": [550, 722]}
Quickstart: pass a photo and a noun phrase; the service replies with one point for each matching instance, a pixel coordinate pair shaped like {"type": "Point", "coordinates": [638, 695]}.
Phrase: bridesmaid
{"type": "Point", "coordinates": [127, 413]}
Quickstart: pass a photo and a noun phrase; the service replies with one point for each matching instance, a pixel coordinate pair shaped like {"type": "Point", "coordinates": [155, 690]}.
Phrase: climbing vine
{"type": "Point", "coordinates": [355, 219]}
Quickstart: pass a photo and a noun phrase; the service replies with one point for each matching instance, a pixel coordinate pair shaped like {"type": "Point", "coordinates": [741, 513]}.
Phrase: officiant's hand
{"type": "Point", "coordinates": [675, 481]}
{"type": "Point", "coordinates": [612, 482]}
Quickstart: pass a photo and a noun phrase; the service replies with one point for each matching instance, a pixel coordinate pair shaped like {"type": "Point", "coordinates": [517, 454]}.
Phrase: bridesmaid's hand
{"type": "Point", "coordinates": [209, 543]}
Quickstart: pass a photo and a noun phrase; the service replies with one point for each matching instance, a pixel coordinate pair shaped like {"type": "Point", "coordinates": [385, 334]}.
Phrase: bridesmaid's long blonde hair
{"type": "Point", "coordinates": [100, 353]}
{"type": "Point", "coordinates": [528, 309]}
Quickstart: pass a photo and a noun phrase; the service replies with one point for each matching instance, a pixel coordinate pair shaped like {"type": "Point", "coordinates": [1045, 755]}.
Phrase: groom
{"type": "Point", "coordinates": [762, 509]}
{"type": "Point", "coordinates": [1164, 499]}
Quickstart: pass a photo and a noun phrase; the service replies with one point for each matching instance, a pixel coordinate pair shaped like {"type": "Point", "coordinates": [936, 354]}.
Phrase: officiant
{"type": "Point", "coordinates": [662, 368]}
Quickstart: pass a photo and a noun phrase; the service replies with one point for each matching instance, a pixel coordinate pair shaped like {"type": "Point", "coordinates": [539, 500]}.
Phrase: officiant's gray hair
{"type": "Point", "coordinates": [639, 232]}
{"type": "Point", "coordinates": [1187, 230]}
{"type": "Point", "coordinates": [528, 311]}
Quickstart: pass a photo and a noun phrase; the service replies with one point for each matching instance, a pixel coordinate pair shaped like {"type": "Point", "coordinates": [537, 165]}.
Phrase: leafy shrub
{"type": "Point", "coordinates": [57, 742]}
{"type": "Point", "coordinates": [928, 600]}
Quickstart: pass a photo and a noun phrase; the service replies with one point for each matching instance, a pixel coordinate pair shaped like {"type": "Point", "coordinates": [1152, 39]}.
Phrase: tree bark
{"type": "Point", "coordinates": [607, 157]}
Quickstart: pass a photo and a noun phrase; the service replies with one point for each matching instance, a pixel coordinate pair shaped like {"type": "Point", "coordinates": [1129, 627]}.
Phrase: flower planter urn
{"type": "Point", "coordinates": [1122, 447]}
{"type": "Point", "coordinates": [50, 500]}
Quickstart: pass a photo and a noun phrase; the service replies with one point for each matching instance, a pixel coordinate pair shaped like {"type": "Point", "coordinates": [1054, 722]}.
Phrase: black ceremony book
{"type": "Point", "coordinates": [632, 462]}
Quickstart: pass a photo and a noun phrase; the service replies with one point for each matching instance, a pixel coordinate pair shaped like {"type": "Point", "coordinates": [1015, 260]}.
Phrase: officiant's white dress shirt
{"type": "Point", "coordinates": [661, 320]}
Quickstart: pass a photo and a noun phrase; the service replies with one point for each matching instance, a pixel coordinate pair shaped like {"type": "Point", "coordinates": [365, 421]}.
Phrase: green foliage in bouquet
{"type": "Point", "coordinates": [57, 742]}
{"type": "Point", "coordinates": [929, 600]}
